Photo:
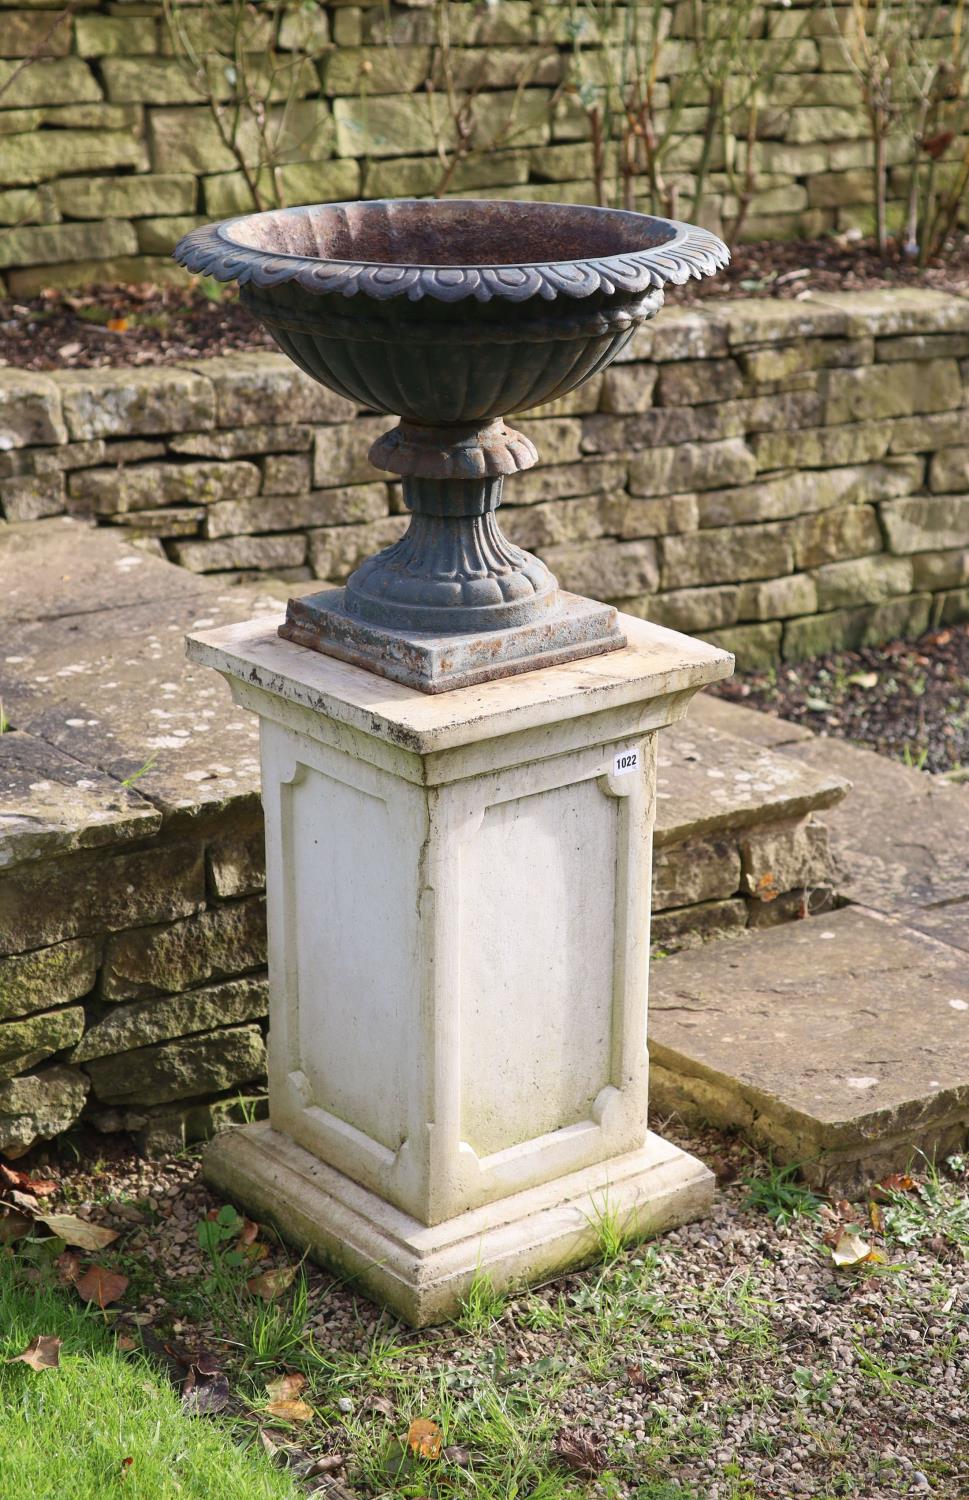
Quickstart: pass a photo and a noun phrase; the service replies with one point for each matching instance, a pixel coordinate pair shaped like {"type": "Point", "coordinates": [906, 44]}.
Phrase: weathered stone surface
{"type": "Point", "coordinates": [821, 447]}
{"type": "Point", "coordinates": [286, 474]}
{"type": "Point", "coordinates": [763, 729]}
{"type": "Point", "coordinates": [401, 125]}
{"type": "Point", "coordinates": [949, 470]}
{"type": "Point", "coordinates": [335, 551]}
{"type": "Point", "coordinates": [62, 80]}
{"type": "Point", "coordinates": [156, 236]}
{"type": "Point", "coordinates": [689, 926]}
{"type": "Point", "coordinates": [26, 1042]}
{"type": "Point", "coordinates": [340, 452]}
{"type": "Point", "coordinates": [725, 554]}
{"type": "Point", "coordinates": [940, 570]}
{"type": "Point", "coordinates": [695, 381]}
{"type": "Point", "coordinates": [28, 31]}
{"type": "Point", "coordinates": [46, 244]}
{"type": "Point", "coordinates": [48, 976]}
{"type": "Point", "coordinates": [236, 864]}
{"type": "Point", "coordinates": [30, 410]}
{"type": "Point", "coordinates": [678, 333]}
{"type": "Point", "coordinates": [695, 870]}
{"type": "Point", "coordinates": [51, 803]}
{"type": "Point", "coordinates": [263, 388]}
{"type": "Point", "coordinates": [862, 580]}
{"type": "Point", "coordinates": [30, 497]}
{"type": "Point", "coordinates": [924, 346]}
{"type": "Point", "coordinates": [847, 629]}
{"type": "Point", "coordinates": [773, 321]}
{"type": "Point", "coordinates": [558, 439]}
{"type": "Point", "coordinates": [927, 523]}
{"type": "Point", "coordinates": [836, 534]}
{"type": "Point", "coordinates": [896, 390]}
{"type": "Point", "coordinates": [185, 138]}
{"type": "Point", "coordinates": [269, 553]}
{"type": "Point", "coordinates": [787, 856]}
{"type": "Point", "coordinates": [711, 782]}
{"type": "Point", "coordinates": [118, 403]}
{"type": "Point", "coordinates": [628, 388]}
{"type": "Point", "coordinates": [903, 310]}
{"type": "Point", "coordinates": [354, 503]}
{"type": "Point", "coordinates": [179, 1069]}
{"type": "Point", "coordinates": [777, 598]}
{"type": "Point", "coordinates": [604, 570]}
{"type": "Point", "coordinates": [805, 1038]}
{"type": "Point", "coordinates": [39, 1106]}
{"type": "Point", "coordinates": [108, 36]}
{"type": "Point", "coordinates": [654, 517]}
{"type": "Point", "coordinates": [421, 175]}
{"type": "Point", "coordinates": [162, 960]}
{"type": "Point", "coordinates": [108, 492]}
{"type": "Point", "coordinates": [754, 646]}
{"type": "Point", "coordinates": [375, 70]}
{"type": "Point", "coordinates": [785, 411]}
{"type": "Point", "coordinates": [169, 521]}
{"type": "Point", "coordinates": [691, 466]}
{"type": "Point", "coordinates": [146, 1022]}
{"type": "Point", "coordinates": [45, 154]}
{"type": "Point", "coordinates": [539, 526]}
{"type": "Point", "coordinates": [43, 902]}
{"type": "Point", "coordinates": [243, 441]}
{"type": "Point", "coordinates": [923, 434]}
{"type": "Point", "coordinates": [900, 837]}
{"type": "Point", "coordinates": [690, 609]}
{"type": "Point", "coordinates": [563, 481]}
{"type": "Point", "coordinates": [809, 491]}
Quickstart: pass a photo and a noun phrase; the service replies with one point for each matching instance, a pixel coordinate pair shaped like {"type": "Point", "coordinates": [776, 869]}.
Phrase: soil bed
{"type": "Point", "coordinates": [909, 699]}
{"type": "Point", "coordinates": [731, 1358]}
{"type": "Point", "coordinates": [146, 325]}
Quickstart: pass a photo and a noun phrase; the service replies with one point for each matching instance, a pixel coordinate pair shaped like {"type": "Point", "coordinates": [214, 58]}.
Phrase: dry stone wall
{"type": "Point", "coordinates": [783, 478]}
{"type": "Point", "coordinates": [108, 151]}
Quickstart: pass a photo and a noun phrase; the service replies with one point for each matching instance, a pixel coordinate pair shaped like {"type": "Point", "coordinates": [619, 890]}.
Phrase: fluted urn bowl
{"type": "Point", "coordinates": [451, 315]}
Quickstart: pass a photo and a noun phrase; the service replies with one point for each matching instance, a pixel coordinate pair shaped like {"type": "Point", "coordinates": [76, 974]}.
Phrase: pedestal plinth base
{"type": "Point", "coordinates": [576, 627]}
{"type": "Point", "coordinates": [425, 1273]}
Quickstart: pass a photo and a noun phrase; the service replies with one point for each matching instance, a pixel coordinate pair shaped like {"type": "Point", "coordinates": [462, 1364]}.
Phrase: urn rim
{"type": "Point", "coordinates": [670, 251]}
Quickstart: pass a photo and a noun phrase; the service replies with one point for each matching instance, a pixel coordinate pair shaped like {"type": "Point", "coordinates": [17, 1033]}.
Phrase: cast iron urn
{"type": "Point", "coordinates": [451, 315]}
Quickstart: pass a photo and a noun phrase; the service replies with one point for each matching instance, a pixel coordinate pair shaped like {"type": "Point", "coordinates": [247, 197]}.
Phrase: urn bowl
{"type": "Point", "coordinates": [451, 312]}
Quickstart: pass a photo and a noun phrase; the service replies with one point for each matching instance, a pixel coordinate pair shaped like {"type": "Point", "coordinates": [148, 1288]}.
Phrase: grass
{"type": "Point", "coordinates": [937, 1208]}
{"type": "Point", "coordinates": [776, 1192]}
{"type": "Point", "coordinates": [105, 1424]}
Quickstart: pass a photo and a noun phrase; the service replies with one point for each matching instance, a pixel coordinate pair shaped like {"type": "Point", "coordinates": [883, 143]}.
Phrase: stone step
{"type": "Point", "coordinates": [841, 1044]}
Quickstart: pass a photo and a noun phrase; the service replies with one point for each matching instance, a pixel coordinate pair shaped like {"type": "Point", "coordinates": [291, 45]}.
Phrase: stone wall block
{"type": "Point", "coordinates": [35, 981]}
{"type": "Point", "coordinates": [926, 523]}
{"type": "Point", "coordinates": [26, 1042]}
{"type": "Point", "coordinates": [110, 492]}
{"type": "Point", "coordinates": [264, 388]}
{"type": "Point", "coordinates": [118, 403]}
{"type": "Point", "coordinates": [604, 570]}
{"type": "Point", "coordinates": [726, 555]}
{"type": "Point", "coordinates": [949, 470]}
{"type": "Point", "coordinates": [84, 895]}
{"type": "Point", "coordinates": [777, 598]}
{"type": "Point", "coordinates": [262, 553]}
{"type": "Point", "coordinates": [129, 1027]}
{"type": "Point", "coordinates": [691, 466]}
{"type": "Point", "coordinates": [832, 535]}
{"type": "Point", "coordinates": [340, 452]}
{"type": "Point", "coordinates": [40, 1106]}
{"type": "Point", "coordinates": [783, 857]}
{"type": "Point", "coordinates": [689, 610]}
{"type": "Point", "coordinates": [896, 390]}
{"type": "Point", "coordinates": [163, 960]}
{"type": "Point", "coordinates": [335, 551]}
{"type": "Point", "coordinates": [695, 870]}
{"type": "Point", "coordinates": [32, 496]}
{"type": "Point", "coordinates": [697, 381]}
{"type": "Point", "coordinates": [628, 388]}
{"type": "Point", "coordinates": [30, 410]}
{"type": "Point", "coordinates": [862, 580]}
{"type": "Point", "coordinates": [181, 1069]}
{"type": "Point", "coordinates": [236, 864]}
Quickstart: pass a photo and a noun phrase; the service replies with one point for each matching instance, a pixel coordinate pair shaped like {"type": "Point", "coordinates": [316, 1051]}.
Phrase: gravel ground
{"type": "Point", "coordinates": [116, 325]}
{"type": "Point", "coordinates": [909, 699]}
{"type": "Point", "coordinates": [730, 1358]}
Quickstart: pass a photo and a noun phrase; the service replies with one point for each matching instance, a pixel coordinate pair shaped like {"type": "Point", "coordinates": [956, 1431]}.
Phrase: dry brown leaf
{"type": "Point", "coordinates": [897, 1182]}
{"type": "Point", "coordinates": [290, 1411]}
{"type": "Point", "coordinates": [75, 1231]}
{"type": "Point", "coordinates": [126, 1343]}
{"type": "Point", "coordinates": [249, 1232]}
{"type": "Point", "coordinates": [118, 325]}
{"type": "Point", "coordinates": [285, 1387]}
{"type": "Point", "coordinates": [582, 1452]}
{"type": "Point", "coordinates": [852, 1250]}
{"type": "Point", "coordinates": [68, 1265]}
{"type": "Point", "coordinates": [424, 1438]}
{"type": "Point", "coordinates": [40, 1187]}
{"type": "Point", "coordinates": [13, 1226]}
{"type": "Point", "coordinates": [270, 1284]}
{"type": "Point", "coordinates": [100, 1285]}
{"type": "Point", "coordinates": [876, 1217]}
{"type": "Point", "coordinates": [42, 1353]}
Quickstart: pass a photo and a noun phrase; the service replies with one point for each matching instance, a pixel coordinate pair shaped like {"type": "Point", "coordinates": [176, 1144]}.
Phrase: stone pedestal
{"type": "Point", "coordinates": [458, 890]}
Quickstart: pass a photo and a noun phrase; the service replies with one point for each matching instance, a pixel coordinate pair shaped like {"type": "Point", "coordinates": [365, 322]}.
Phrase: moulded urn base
{"type": "Point", "coordinates": [573, 627]}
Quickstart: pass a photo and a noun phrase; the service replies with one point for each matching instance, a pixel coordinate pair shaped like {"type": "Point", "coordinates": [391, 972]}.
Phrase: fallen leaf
{"type": "Point", "coordinates": [10, 1177]}
{"type": "Point", "coordinates": [290, 1411]}
{"type": "Point", "coordinates": [118, 325]}
{"type": "Point", "coordinates": [458, 1455]}
{"type": "Point", "coordinates": [582, 1452]}
{"type": "Point", "coordinates": [325, 1465]}
{"type": "Point", "coordinates": [125, 1343]}
{"type": "Point", "coordinates": [13, 1226]}
{"type": "Point", "coordinates": [285, 1387]}
{"type": "Point", "coordinates": [75, 1231]}
{"type": "Point", "coordinates": [125, 1466]}
{"type": "Point", "coordinates": [270, 1284]}
{"type": "Point", "coordinates": [100, 1285]}
{"type": "Point", "coordinates": [67, 351]}
{"type": "Point", "coordinates": [863, 679]}
{"type": "Point", "coordinates": [22, 1200]}
{"type": "Point", "coordinates": [424, 1438]}
{"type": "Point", "coordinates": [897, 1182]}
{"type": "Point", "coordinates": [249, 1232]}
{"type": "Point", "coordinates": [877, 1218]}
{"type": "Point", "coordinates": [42, 1353]}
{"type": "Point", "coordinates": [852, 1250]}
{"type": "Point", "coordinates": [68, 1265]}
{"type": "Point", "coordinates": [381, 1404]}
{"type": "Point", "coordinates": [204, 1398]}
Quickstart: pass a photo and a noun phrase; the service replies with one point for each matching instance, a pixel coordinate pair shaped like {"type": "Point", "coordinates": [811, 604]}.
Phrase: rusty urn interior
{"type": "Point", "coordinates": [451, 315]}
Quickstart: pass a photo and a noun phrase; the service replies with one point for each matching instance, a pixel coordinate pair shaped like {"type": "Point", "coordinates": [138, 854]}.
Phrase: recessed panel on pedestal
{"type": "Point", "coordinates": [351, 921]}
{"type": "Point", "coordinates": [537, 964]}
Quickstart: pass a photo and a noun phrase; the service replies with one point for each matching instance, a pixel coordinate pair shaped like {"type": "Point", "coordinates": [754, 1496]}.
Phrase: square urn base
{"type": "Point", "coordinates": [575, 628]}
{"type": "Point", "coordinates": [424, 1273]}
